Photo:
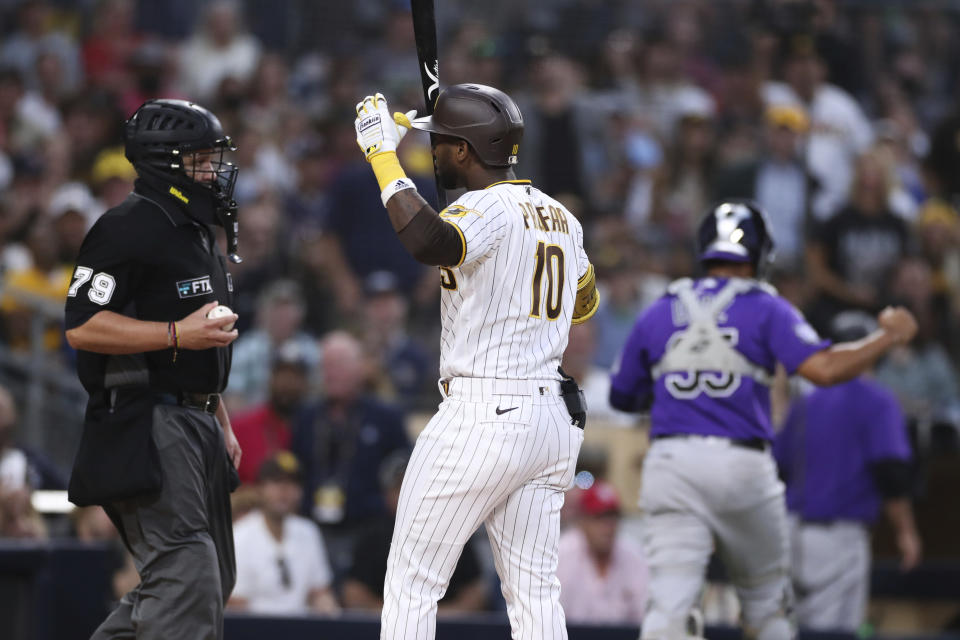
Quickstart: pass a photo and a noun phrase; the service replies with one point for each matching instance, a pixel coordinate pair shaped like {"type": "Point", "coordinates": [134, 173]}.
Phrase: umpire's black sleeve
{"type": "Point", "coordinates": [432, 241]}
{"type": "Point", "coordinates": [107, 271]}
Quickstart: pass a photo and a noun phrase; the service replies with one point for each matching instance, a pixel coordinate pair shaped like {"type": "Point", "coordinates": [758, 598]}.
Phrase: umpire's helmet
{"type": "Point", "coordinates": [161, 132]}
{"type": "Point", "coordinates": [736, 231]}
{"type": "Point", "coordinates": [487, 118]}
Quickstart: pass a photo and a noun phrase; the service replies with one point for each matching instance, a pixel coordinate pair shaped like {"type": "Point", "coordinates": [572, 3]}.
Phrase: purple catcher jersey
{"type": "Point", "coordinates": [759, 324]}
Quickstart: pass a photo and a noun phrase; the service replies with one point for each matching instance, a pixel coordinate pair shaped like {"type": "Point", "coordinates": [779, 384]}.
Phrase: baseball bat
{"type": "Point", "coordinates": [425, 35]}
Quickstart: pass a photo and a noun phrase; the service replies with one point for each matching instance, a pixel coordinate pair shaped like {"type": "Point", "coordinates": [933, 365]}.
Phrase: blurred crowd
{"type": "Point", "coordinates": [842, 119]}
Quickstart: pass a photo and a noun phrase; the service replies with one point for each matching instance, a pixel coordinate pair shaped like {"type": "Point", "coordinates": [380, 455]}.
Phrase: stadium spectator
{"type": "Point", "coordinates": [151, 73]}
{"type": "Point", "coordinates": [777, 180]}
{"type": "Point", "coordinates": [111, 177]}
{"type": "Point", "coordinates": [21, 466]}
{"type": "Point", "coordinates": [27, 120]}
{"type": "Point", "coordinates": [603, 577]}
{"type": "Point", "coordinates": [635, 164]}
{"type": "Point", "coordinates": [14, 466]}
{"type": "Point", "coordinates": [357, 224]}
{"type": "Point", "coordinates": [593, 380]}
{"type": "Point", "coordinates": [559, 121]}
{"type": "Point", "coordinates": [218, 51]}
{"type": "Point", "coordinates": [844, 456]}
{"type": "Point", "coordinates": [740, 105]}
{"type": "Point", "coordinates": [682, 189]}
{"type": "Point", "coordinates": [262, 430]}
{"type": "Point", "coordinates": [282, 567]}
{"type": "Point", "coordinates": [363, 585]}
{"type": "Point", "coordinates": [111, 44]}
{"type": "Point", "coordinates": [279, 321]}
{"type": "Point", "coordinates": [852, 256]}
{"type": "Point", "coordinates": [402, 367]}
{"type": "Point", "coordinates": [938, 229]}
{"type": "Point", "coordinates": [390, 62]}
{"type": "Point", "coordinates": [265, 261]}
{"type": "Point", "coordinates": [36, 292]}
{"type": "Point", "coordinates": [620, 302]}
{"type": "Point", "coordinates": [329, 287]}
{"type": "Point", "coordinates": [34, 36]}
{"type": "Point", "coordinates": [18, 519]}
{"type": "Point", "coordinates": [662, 90]}
{"type": "Point", "coordinates": [269, 104]}
{"type": "Point", "coordinates": [921, 375]}
{"type": "Point", "coordinates": [900, 142]}
{"type": "Point", "coordinates": [92, 122]}
{"type": "Point", "coordinates": [92, 524]}
{"type": "Point", "coordinates": [943, 158]}
{"type": "Point", "coordinates": [839, 129]}
{"type": "Point", "coordinates": [338, 440]}
{"type": "Point", "coordinates": [270, 175]}
{"type": "Point", "coordinates": [305, 208]}
{"type": "Point", "coordinates": [73, 210]}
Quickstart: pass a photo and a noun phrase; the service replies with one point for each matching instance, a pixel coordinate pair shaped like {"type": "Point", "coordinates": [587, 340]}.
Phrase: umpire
{"type": "Point", "coordinates": [157, 449]}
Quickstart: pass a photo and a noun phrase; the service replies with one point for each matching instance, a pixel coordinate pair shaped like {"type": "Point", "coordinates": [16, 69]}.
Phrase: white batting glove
{"type": "Point", "coordinates": [377, 131]}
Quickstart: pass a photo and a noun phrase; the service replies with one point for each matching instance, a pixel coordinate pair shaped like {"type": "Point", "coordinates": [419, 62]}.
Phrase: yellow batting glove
{"type": "Point", "coordinates": [402, 120]}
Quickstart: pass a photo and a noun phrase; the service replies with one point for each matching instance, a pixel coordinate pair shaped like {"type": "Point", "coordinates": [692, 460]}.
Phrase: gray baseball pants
{"type": "Point", "coordinates": [831, 574]}
{"type": "Point", "coordinates": [181, 539]}
{"type": "Point", "coordinates": [702, 493]}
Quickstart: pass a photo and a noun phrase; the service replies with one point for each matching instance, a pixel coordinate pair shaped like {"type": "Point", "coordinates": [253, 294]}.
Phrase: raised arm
{"type": "Point", "coordinates": [847, 360]}
{"type": "Point", "coordinates": [421, 230]}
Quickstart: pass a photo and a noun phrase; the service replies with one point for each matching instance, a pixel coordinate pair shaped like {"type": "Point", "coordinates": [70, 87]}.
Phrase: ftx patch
{"type": "Point", "coordinates": [195, 287]}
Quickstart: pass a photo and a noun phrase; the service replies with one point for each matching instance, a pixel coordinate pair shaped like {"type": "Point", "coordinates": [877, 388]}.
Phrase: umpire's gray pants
{"type": "Point", "coordinates": [831, 574]}
{"type": "Point", "coordinates": [181, 539]}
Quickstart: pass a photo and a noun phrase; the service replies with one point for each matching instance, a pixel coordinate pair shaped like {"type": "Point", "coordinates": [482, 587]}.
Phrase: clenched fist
{"type": "Point", "coordinates": [899, 323]}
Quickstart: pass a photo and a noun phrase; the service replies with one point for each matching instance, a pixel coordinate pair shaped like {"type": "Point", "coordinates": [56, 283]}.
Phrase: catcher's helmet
{"type": "Point", "coordinates": [161, 132]}
{"type": "Point", "coordinates": [487, 118]}
{"type": "Point", "coordinates": [735, 231]}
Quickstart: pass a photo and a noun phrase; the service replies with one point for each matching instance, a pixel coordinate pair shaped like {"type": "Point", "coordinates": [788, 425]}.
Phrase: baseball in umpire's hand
{"type": "Point", "coordinates": [221, 311]}
{"type": "Point", "coordinates": [199, 330]}
{"type": "Point", "coordinates": [899, 323]}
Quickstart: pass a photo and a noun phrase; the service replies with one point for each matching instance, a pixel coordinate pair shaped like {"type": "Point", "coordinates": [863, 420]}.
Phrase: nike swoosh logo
{"type": "Point", "coordinates": [500, 411]}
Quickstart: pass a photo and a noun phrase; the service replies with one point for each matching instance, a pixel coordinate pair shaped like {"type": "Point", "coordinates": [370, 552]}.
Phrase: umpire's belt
{"type": "Point", "coordinates": [207, 402]}
{"type": "Point", "coordinates": [757, 444]}
{"type": "Point", "coordinates": [482, 389]}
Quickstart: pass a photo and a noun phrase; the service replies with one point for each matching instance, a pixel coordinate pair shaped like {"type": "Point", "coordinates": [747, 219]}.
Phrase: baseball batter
{"type": "Point", "coordinates": [502, 447]}
{"type": "Point", "coordinates": [705, 354]}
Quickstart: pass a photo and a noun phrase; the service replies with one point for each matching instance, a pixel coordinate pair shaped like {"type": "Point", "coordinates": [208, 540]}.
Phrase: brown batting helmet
{"type": "Point", "coordinates": [487, 118]}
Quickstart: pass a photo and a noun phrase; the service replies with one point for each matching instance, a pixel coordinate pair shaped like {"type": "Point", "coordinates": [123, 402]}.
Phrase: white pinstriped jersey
{"type": "Point", "coordinates": [506, 308]}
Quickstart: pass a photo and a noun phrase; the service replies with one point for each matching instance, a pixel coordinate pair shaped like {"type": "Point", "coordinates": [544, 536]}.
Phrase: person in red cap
{"type": "Point", "coordinates": [603, 577]}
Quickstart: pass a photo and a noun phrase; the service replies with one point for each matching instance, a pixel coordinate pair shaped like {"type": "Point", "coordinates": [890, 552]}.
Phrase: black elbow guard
{"type": "Point", "coordinates": [432, 241]}
{"type": "Point", "coordinates": [891, 477]}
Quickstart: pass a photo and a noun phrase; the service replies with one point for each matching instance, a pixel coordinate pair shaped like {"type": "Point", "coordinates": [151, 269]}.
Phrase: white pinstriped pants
{"type": "Point", "coordinates": [472, 465]}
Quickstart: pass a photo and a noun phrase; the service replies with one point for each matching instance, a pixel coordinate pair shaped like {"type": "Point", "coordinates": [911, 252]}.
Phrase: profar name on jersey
{"type": "Point", "coordinates": [544, 218]}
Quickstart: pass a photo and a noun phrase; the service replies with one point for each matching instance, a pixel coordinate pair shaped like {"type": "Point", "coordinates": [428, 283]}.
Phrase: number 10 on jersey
{"type": "Point", "coordinates": [549, 260]}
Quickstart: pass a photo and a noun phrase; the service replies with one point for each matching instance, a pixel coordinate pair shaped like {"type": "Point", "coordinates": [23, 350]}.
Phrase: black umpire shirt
{"type": "Point", "coordinates": [149, 259]}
